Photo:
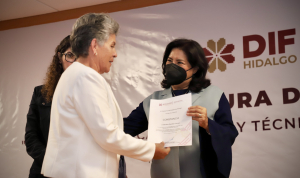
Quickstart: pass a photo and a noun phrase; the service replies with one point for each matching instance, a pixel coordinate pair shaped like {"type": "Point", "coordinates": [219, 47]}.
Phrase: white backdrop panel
{"type": "Point", "coordinates": [136, 73]}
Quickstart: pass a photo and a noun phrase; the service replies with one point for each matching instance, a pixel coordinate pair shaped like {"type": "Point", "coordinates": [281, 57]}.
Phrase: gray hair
{"type": "Point", "coordinates": [88, 27]}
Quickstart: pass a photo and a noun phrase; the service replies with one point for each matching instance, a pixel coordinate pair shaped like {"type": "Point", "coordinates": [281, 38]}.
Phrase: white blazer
{"type": "Point", "coordinates": [86, 129]}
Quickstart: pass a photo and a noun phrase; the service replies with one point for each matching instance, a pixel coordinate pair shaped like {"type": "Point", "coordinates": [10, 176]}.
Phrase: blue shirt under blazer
{"type": "Point", "coordinates": [215, 148]}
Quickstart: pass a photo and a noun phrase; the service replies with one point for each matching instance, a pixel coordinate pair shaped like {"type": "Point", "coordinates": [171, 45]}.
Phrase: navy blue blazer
{"type": "Point", "coordinates": [216, 159]}
{"type": "Point", "coordinates": [37, 129]}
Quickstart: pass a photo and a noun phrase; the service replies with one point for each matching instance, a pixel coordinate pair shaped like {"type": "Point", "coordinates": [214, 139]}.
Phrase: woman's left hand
{"type": "Point", "coordinates": [199, 114]}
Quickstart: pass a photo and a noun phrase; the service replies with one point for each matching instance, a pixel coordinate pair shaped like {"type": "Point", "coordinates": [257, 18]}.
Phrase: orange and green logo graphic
{"type": "Point", "coordinates": [218, 55]}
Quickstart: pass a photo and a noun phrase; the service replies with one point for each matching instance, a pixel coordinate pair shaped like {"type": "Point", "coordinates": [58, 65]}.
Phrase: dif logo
{"type": "Point", "coordinates": [283, 39]}
{"type": "Point", "coordinates": [219, 54]}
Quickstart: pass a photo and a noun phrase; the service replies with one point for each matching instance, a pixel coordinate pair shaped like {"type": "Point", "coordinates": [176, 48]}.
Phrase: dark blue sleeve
{"type": "Point", "coordinates": [34, 146]}
{"type": "Point", "coordinates": [223, 134]}
{"type": "Point", "coordinates": [122, 167]}
{"type": "Point", "coordinates": [136, 122]}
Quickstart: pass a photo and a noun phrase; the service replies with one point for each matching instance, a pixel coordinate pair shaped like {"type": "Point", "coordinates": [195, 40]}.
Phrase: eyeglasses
{"type": "Point", "coordinates": [69, 57]}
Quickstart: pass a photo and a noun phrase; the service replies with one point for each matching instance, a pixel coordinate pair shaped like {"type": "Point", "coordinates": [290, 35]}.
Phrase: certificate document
{"type": "Point", "coordinates": [168, 121]}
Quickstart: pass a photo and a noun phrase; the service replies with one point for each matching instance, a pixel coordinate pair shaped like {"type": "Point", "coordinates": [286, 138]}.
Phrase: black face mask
{"type": "Point", "coordinates": [175, 75]}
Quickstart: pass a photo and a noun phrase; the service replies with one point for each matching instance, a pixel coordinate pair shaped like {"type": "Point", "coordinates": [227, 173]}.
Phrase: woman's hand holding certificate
{"type": "Point", "coordinates": [168, 121]}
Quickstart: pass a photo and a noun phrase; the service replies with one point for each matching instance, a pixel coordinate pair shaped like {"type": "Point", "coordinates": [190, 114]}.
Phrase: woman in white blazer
{"type": "Point", "coordinates": [86, 129]}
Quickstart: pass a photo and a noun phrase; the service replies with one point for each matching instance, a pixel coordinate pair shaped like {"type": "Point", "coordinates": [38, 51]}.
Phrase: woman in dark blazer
{"type": "Point", "coordinates": [38, 117]}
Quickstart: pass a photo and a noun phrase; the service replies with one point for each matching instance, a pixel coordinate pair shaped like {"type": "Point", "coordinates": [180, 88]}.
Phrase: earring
{"type": "Point", "coordinates": [96, 54]}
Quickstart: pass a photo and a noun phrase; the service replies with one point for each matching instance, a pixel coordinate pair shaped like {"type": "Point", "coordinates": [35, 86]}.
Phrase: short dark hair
{"type": "Point", "coordinates": [196, 58]}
